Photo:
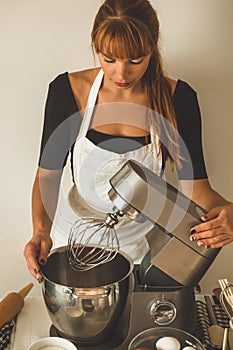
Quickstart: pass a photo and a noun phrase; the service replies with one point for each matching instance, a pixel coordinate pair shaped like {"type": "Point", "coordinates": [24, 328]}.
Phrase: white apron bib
{"type": "Point", "coordinates": [93, 167]}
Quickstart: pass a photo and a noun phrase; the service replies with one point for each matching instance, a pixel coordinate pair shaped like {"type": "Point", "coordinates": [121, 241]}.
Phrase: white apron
{"type": "Point", "coordinates": [93, 167]}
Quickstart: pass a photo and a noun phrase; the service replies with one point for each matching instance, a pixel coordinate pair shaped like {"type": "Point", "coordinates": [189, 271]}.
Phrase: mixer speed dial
{"type": "Point", "coordinates": [163, 312]}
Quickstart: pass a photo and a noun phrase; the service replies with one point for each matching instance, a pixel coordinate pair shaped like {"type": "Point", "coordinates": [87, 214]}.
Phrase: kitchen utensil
{"type": "Point", "coordinates": [149, 337]}
{"type": "Point", "coordinates": [226, 295]}
{"type": "Point", "coordinates": [141, 194]}
{"type": "Point", "coordinates": [225, 339]}
{"type": "Point", "coordinates": [216, 332]}
{"type": "Point", "coordinates": [81, 235]}
{"type": "Point", "coordinates": [105, 307]}
{"type": "Point", "coordinates": [224, 303]}
{"type": "Point", "coordinates": [12, 304]}
{"type": "Point", "coordinates": [86, 306]}
{"type": "Point", "coordinates": [230, 335]}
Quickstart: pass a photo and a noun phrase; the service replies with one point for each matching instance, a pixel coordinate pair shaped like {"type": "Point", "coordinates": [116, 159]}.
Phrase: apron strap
{"type": "Point", "coordinates": [91, 103]}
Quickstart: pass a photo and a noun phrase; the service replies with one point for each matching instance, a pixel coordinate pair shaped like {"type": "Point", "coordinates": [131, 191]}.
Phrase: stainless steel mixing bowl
{"type": "Point", "coordinates": [86, 306]}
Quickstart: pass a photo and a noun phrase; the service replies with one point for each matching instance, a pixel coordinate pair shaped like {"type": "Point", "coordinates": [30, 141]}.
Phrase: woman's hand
{"type": "Point", "coordinates": [216, 230]}
{"type": "Point", "coordinates": [36, 252]}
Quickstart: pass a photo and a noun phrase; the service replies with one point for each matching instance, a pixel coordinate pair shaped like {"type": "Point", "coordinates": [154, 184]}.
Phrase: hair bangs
{"type": "Point", "coordinates": [122, 39]}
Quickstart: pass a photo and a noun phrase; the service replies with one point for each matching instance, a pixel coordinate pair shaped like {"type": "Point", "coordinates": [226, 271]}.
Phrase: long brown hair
{"type": "Point", "coordinates": [130, 29]}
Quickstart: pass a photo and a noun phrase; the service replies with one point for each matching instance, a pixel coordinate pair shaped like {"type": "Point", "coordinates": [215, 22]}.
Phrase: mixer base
{"type": "Point", "coordinates": [113, 344]}
{"type": "Point", "coordinates": [141, 318]}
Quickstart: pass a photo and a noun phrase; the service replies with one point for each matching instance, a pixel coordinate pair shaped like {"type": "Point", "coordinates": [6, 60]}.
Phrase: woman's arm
{"type": "Point", "coordinates": [44, 203]}
{"type": "Point", "coordinates": [217, 228]}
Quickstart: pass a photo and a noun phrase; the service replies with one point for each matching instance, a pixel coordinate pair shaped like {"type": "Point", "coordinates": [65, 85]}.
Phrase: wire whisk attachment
{"type": "Point", "coordinates": [93, 242]}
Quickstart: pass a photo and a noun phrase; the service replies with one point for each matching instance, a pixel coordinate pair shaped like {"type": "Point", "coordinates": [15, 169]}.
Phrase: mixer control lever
{"type": "Point", "coordinates": [163, 312]}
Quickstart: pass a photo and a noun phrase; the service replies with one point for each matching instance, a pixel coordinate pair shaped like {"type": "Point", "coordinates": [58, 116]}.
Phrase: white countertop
{"type": "Point", "coordinates": [32, 323]}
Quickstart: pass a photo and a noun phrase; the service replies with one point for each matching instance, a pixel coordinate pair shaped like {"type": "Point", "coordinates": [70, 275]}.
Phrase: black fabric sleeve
{"type": "Point", "coordinates": [61, 124]}
{"type": "Point", "coordinates": [190, 130]}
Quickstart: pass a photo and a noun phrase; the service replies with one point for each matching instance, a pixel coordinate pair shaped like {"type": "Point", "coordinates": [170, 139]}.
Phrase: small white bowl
{"type": "Point", "coordinates": [52, 343]}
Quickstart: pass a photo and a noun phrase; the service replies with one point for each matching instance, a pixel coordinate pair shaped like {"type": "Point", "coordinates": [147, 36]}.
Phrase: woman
{"type": "Point", "coordinates": [105, 116]}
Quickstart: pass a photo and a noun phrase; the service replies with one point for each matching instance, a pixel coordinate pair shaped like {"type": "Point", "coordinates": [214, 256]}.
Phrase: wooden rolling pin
{"type": "Point", "coordinates": [12, 304]}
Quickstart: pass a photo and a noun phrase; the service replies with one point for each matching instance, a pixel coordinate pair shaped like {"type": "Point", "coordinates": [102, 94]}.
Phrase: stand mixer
{"type": "Point", "coordinates": [105, 307]}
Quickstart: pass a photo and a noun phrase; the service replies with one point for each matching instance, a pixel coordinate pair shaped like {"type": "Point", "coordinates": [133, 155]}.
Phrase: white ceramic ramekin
{"type": "Point", "coordinates": [52, 343]}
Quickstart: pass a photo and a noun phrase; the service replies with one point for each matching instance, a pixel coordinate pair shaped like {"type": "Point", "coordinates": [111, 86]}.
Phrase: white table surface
{"type": "Point", "coordinates": [32, 323]}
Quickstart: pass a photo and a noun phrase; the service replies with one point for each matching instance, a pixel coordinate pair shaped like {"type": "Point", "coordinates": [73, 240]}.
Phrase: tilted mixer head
{"type": "Point", "coordinates": [84, 232]}
{"type": "Point", "coordinates": [142, 195]}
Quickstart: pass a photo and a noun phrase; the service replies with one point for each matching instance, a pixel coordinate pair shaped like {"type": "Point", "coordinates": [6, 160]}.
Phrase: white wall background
{"type": "Point", "coordinates": [40, 39]}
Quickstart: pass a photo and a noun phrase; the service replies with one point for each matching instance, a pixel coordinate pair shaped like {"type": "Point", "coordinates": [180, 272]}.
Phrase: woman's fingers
{"type": "Point", "coordinates": [31, 252]}
{"type": "Point", "coordinates": [45, 247]}
{"type": "Point", "coordinates": [216, 241]}
{"type": "Point", "coordinates": [216, 230]}
{"type": "Point", "coordinates": [35, 252]}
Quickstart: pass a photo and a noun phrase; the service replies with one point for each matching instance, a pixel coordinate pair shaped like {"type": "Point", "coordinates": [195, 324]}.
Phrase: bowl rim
{"type": "Point", "coordinates": [46, 341]}
{"type": "Point", "coordinates": [62, 249]}
{"type": "Point", "coordinates": [147, 330]}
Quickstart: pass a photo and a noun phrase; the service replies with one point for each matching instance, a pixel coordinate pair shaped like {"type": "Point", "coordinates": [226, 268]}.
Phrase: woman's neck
{"type": "Point", "coordinates": [110, 93]}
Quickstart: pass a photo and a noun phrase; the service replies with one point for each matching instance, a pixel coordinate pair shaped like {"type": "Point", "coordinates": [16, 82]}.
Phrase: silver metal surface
{"type": "Point", "coordinates": [86, 306]}
{"type": "Point", "coordinates": [104, 307]}
{"type": "Point", "coordinates": [87, 230]}
{"type": "Point", "coordinates": [138, 317]}
{"type": "Point", "coordinates": [173, 214]}
{"type": "Point", "coordinates": [162, 311]}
